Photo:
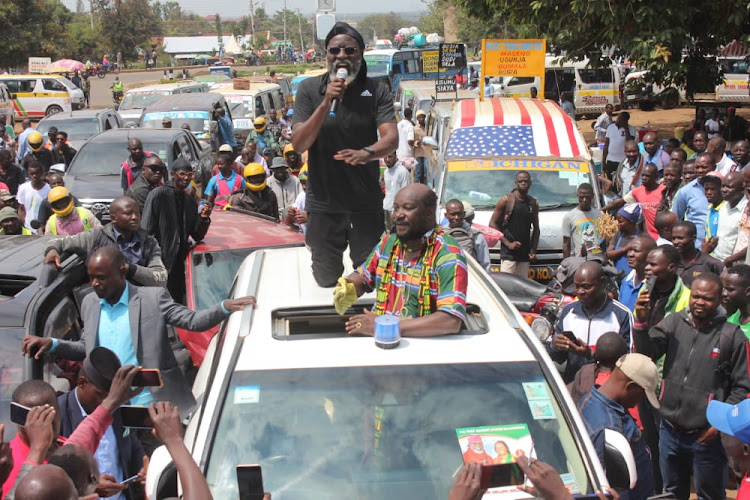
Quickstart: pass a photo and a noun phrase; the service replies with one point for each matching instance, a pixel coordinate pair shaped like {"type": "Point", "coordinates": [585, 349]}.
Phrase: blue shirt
{"type": "Point", "coordinates": [107, 454]}
{"type": "Point", "coordinates": [23, 143]}
{"type": "Point", "coordinates": [600, 413]}
{"type": "Point", "coordinates": [629, 290]}
{"type": "Point", "coordinates": [226, 129]}
{"type": "Point", "coordinates": [212, 183]}
{"type": "Point", "coordinates": [712, 220]}
{"type": "Point", "coordinates": [690, 203]}
{"type": "Point", "coordinates": [132, 250]}
{"type": "Point", "coordinates": [114, 334]}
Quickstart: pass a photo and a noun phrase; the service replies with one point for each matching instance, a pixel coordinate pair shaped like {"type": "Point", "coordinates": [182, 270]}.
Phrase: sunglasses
{"type": "Point", "coordinates": [334, 51]}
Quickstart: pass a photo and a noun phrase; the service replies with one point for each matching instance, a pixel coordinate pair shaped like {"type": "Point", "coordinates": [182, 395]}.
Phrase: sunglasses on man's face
{"type": "Point", "coordinates": [334, 51]}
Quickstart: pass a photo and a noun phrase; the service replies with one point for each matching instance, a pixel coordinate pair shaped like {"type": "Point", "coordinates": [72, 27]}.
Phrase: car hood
{"type": "Point", "coordinates": [101, 187]}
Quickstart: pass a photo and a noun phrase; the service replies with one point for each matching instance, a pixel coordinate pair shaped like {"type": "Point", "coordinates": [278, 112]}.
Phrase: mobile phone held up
{"type": "Point", "coordinates": [18, 413]}
{"type": "Point", "coordinates": [250, 482]}
{"type": "Point", "coordinates": [148, 377]}
{"type": "Point", "coordinates": [136, 416]}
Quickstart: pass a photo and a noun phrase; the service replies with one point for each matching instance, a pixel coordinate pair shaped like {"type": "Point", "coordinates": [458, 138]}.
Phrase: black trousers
{"type": "Point", "coordinates": [176, 281]}
{"type": "Point", "coordinates": [329, 234]}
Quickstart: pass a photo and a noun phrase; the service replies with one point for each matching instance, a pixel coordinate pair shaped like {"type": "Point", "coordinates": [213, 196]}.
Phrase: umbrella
{"type": "Point", "coordinates": [66, 65]}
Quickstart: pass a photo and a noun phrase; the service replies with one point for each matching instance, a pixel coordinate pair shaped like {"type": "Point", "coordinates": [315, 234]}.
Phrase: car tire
{"type": "Point", "coordinates": [53, 109]}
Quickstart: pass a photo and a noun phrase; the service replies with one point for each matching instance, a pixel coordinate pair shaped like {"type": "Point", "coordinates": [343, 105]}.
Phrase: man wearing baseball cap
{"type": "Point", "coordinates": [733, 421]}
{"type": "Point", "coordinates": [634, 377]}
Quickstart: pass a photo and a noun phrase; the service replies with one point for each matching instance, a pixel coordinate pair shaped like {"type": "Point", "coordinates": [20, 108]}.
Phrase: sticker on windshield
{"type": "Point", "coordinates": [535, 390]}
{"type": "Point", "coordinates": [569, 480]}
{"type": "Point", "coordinates": [246, 394]}
{"type": "Point", "coordinates": [542, 409]}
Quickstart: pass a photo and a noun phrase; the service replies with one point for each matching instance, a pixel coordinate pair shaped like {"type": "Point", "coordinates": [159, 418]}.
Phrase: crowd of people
{"type": "Point", "coordinates": [680, 325]}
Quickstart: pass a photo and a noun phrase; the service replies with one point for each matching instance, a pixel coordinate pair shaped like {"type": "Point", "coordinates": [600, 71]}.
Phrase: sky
{"type": "Point", "coordinates": [238, 8]}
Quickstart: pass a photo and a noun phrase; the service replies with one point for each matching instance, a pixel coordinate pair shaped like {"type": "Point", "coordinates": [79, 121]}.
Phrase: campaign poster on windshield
{"type": "Point", "coordinates": [496, 444]}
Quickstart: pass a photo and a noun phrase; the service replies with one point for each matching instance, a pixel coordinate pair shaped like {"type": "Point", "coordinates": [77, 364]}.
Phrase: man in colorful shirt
{"type": "Point", "coordinates": [418, 273]}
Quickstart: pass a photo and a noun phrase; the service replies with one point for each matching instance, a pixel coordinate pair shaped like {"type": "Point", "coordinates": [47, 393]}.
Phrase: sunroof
{"type": "Point", "coordinates": [323, 322]}
{"type": "Point", "coordinates": [11, 285]}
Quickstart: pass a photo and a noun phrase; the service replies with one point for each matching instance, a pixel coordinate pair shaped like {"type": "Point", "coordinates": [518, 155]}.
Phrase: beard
{"type": "Point", "coordinates": [351, 68]}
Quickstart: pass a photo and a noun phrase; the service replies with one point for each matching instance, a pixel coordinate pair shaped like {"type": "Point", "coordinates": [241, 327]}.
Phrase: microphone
{"type": "Point", "coordinates": [341, 74]}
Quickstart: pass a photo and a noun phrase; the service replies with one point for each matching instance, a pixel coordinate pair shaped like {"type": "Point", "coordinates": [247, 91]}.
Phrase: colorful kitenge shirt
{"type": "Point", "coordinates": [434, 281]}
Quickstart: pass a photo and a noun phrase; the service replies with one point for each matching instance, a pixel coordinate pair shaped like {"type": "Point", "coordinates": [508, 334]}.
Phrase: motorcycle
{"type": "Point", "coordinates": [101, 71]}
{"type": "Point", "coordinates": [117, 99]}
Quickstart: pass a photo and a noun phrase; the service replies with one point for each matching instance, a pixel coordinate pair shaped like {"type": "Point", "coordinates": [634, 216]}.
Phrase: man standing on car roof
{"type": "Point", "coordinates": [152, 175]}
{"type": "Point", "coordinates": [344, 200]}
{"type": "Point", "coordinates": [418, 273]}
{"type": "Point", "coordinates": [172, 217]}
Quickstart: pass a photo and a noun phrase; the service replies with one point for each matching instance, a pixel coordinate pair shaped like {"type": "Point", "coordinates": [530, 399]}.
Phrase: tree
{"type": "Point", "coordinates": [126, 24]}
{"type": "Point", "coordinates": [32, 28]}
{"type": "Point", "coordinates": [671, 38]}
{"type": "Point", "coordinates": [384, 25]}
{"type": "Point", "coordinates": [469, 28]}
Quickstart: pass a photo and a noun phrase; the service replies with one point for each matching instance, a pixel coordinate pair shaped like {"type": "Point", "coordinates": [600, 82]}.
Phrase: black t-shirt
{"type": "Point", "coordinates": [333, 186]}
{"type": "Point", "coordinates": [518, 229]}
{"type": "Point", "coordinates": [13, 178]}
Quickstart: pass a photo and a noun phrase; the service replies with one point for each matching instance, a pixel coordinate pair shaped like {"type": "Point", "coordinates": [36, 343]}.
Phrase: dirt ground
{"type": "Point", "coordinates": [663, 120]}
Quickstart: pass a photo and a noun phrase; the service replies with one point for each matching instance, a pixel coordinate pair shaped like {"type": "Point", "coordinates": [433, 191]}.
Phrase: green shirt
{"type": "Point", "coordinates": [735, 319]}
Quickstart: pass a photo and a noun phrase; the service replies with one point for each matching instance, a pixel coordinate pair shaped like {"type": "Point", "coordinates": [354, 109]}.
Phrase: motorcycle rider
{"type": "Point", "coordinates": [117, 90]}
{"type": "Point", "coordinates": [86, 87]}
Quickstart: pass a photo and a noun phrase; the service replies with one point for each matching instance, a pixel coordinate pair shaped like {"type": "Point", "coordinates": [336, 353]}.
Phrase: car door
{"type": "Point", "coordinates": [202, 159]}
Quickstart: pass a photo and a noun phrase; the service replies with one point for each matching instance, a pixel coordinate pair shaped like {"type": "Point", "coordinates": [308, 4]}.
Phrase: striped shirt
{"type": "Point", "coordinates": [447, 279]}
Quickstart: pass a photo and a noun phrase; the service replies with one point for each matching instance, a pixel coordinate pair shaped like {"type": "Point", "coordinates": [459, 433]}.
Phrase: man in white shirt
{"type": "Point", "coordinates": [604, 121]}
{"type": "Point", "coordinates": [717, 148]}
{"type": "Point", "coordinates": [31, 194]}
{"type": "Point", "coordinates": [405, 136]}
{"type": "Point", "coordinates": [628, 174]}
{"type": "Point", "coordinates": [730, 212]}
{"type": "Point", "coordinates": [395, 177]}
{"type": "Point", "coordinates": [286, 187]}
{"type": "Point", "coordinates": [614, 142]}
{"type": "Point", "coordinates": [714, 125]}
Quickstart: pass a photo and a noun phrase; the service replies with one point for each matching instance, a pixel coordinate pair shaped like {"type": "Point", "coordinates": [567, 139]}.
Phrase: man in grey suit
{"type": "Point", "coordinates": [132, 321]}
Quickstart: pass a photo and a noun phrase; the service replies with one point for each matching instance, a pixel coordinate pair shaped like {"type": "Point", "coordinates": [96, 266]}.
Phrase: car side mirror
{"type": "Point", "coordinates": [619, 462]}
{"type": "Point", "coordinates": [429, 142]}
{"type": "Point", "coordinates": [161, 476]}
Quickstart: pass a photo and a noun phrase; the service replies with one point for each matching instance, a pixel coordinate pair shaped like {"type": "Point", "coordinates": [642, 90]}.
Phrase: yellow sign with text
{"type": "Point", "coordinates": [522, 57]}
{"type": "Point", "coordinates": [430, 61]}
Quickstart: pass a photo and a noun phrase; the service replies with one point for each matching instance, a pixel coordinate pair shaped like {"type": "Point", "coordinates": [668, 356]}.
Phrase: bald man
{"type": "Point", "coordinates": [46, 482]}
{"type": "Point", "coordinates": [653, 153]}
{"type": "Point", "coordinates": [397, 262]}
{"type": "Point", "coordinates": [591, 316]}
{"type": "Point", "coordinates": [80, 466]}
{"type": "Point", "coordinates": [631, 284]}
{"type": "Point", "coordinates": [717, 146]}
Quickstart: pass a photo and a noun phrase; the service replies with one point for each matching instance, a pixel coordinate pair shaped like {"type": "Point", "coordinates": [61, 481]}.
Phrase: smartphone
{"type": "Point", "coordinates": [130, 479]}
{"type": "Point", "coordinates": [250, 482]}
{"type": "Point", "coordinates": [494, 476]}
{"type": "Point", "coordinates": [136, 416]}
{"type": "Point", "coordinates": [571, 337]}
{"type": "Point", "coordinates": [148, 377]}
{"type": "Point", "coordinates": [650, 284]}
{"type": "Point", "coordinates": [18, 413]}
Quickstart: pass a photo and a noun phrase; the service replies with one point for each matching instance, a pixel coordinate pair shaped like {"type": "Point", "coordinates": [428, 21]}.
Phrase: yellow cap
{"type": "Point", "coordinates": [59, 193]}
{"type": "Point", "coordinates": [289, 148]}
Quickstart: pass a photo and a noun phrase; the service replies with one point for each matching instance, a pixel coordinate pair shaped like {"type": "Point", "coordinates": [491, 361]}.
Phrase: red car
{"type": "Point", "coordinates": [211, 265]}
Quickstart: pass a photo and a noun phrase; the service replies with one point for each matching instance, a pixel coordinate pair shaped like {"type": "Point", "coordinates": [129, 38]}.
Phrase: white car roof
{"type": "Point", "coordinates": [286, 282]}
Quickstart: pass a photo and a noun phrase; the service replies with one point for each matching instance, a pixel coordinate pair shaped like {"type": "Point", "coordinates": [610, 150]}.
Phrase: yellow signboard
{"type": "Point", "coordinates": [529, 164]}
{"type": "Point", "coordinates": [430, 61]}
{"type": "Point", "coordinates": [522, 57]}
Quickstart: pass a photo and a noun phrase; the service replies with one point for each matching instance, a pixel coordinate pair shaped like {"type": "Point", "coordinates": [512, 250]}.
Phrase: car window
{"type": "Point", "coordinates": [16, 86]}
{"type": "Point", "coordinates": [278, 99]}
{"type": "Point", "coordinates": [78, 129]}
{"type": "Point", "coordinates": [600, 75]}
{"type": "Point", "coordinates": [259, 108]}
{"type": "Point", "coordinates": [53, 85]}
{"type": "Point", "coordinates": [182, 148]}
{"type": "Point", "coordinates": [382, 431]}
{"type": "Point", "coordinates": [520, 80]}
{"type": "Point", "coordinates": [213, 273]}
{"type": "Point", "coordinates": [105, 158]}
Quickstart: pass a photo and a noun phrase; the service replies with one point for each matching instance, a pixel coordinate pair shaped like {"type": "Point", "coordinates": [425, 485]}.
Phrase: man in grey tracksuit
{"type": "Point", "coordinates": [704, 359]}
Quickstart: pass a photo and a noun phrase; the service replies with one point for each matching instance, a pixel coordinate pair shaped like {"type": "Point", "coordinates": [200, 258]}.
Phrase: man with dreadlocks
{"type": "Point", "coordinates": [418, 273]}
{"type": "Point", "coordinates": [337, 120]}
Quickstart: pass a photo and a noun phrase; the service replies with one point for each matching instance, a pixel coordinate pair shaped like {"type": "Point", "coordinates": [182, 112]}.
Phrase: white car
{"type": "Point", "coordinates": [328, 415]}
{"type": "Point", "coordinates": [77, 99]}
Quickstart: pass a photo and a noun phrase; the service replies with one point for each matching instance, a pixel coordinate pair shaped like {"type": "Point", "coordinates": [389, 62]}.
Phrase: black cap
{"type": "Point", "coordinates": [181, 164]}
{"type": "Point", "coordinates": [100, 367]}
{"type": "Point", "coordinates": [341, 28]}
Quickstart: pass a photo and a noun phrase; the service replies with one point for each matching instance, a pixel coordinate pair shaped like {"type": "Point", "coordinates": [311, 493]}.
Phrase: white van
{"type": "Point", "coordinates": [332, 416]}
{"type": "Point", "coordinates": [247, 105]}
{"type": "Point", "coordinates": [593, 88]}
{"type": "Point", "coordinates": [136, 100]}
{"type": "Point", "coordinates": [77, 99]}
{"type": "Point", "coordinates": [36, 96]}
{"type": "Point", "coordinates": [491, 141]}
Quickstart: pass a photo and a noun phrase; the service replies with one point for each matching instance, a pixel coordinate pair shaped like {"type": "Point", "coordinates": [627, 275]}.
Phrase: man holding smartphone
{"type": "Point", "coordinates": [132, 322]}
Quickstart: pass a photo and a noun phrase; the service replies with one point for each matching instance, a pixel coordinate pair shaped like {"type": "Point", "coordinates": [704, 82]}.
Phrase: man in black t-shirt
{"type": "Point", "coordinates": [517, 216]}
{"type": "Point", "coordinates": [344, 200]}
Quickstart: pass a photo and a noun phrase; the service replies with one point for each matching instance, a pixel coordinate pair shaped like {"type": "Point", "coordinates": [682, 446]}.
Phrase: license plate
{"type": "Point", "coordinates": [630, 97]}
{"type": "Point", "coordinates": [243, 123]}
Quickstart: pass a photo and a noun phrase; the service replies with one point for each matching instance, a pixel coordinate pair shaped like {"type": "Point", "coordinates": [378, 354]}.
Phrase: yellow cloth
{"type": "Point", "coordinates": [344, 296]}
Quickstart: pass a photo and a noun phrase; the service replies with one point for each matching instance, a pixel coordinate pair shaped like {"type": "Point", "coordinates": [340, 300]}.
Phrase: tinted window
{"type": "Point", "coordinates": [78, 129]}
{"type": "Point", "coordinates": [520, 80]}
{"type": "Point", "coordinates": [105, 158]}
{"type": "Point", "coordinates": [602, 75]}
{"type": "Point", "coordinates": [15, 86]}
{"type": "Point", "coordinates": [53, 85]}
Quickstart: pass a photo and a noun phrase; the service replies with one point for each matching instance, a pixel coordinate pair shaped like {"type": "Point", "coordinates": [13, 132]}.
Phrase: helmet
{"type": "Point", "coordinates": [260, 124]}
{"type": "Point", "coordinates": [35, 141]}
{"type": "Point", "coordinates": [289, 149]}
{"type": "Point", "coordinates": [59, 193]}
{"type": "Point", "coordinates": [254, 169]}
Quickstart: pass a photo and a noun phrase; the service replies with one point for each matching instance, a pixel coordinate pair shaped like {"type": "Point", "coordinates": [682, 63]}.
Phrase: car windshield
{"type": "Point", "coordinates": [484, 186]}
{"type": "Point", "coordinates": [141, 100]}
{"type": "Point", "coordinates": [78, 129]}
{"type": "Point", "coordinates": [197, 120]}
{"type": "Point", "coordinates": [241, 106]}
{"type": "Point", "coordinates": [213, 274]}
{"type": "Point", "coordinates": [378, 65]}
{"type": "Point", "coordinates": [382, 431]}
{"type": "Point", "coordinates": [105, 158]}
